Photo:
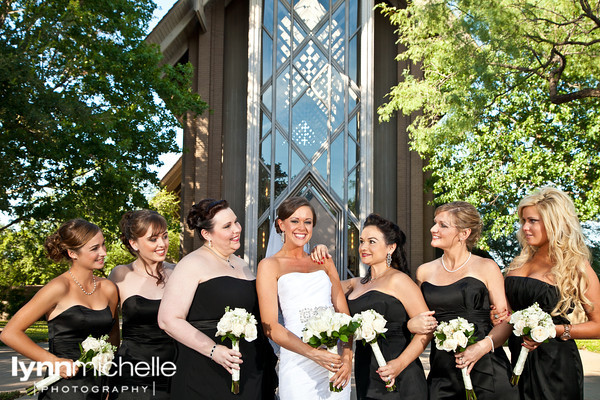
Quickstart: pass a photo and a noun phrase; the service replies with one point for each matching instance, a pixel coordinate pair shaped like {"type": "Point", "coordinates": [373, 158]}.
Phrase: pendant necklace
{"type": "Point", "coordinates": [80, 286]}
{"type": "Point", "coordinates": [465, 263]}
{"type": "Point", "coordinates": [221, 257]}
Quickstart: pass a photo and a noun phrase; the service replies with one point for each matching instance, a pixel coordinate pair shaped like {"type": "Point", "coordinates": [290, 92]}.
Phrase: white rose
{"type": "Point", "coordinates": [449, 344]}
{"type": "Point", "coordinates": [250, 332]}
{"type": "Point", "coordinates": [460, 338]}
{"type": "Point", "coordinates": [379, 325]}
{"type": "Point", "coordinates": [237, 328]}
{"type": "Point", "coordinates": [368, 333]}
{"type": "Point", "coordinates": [91, 344]}
{"type": "Point", "coordinates": [224, 325]}
{"type": "Point", "coordinates": [539, 334]}
{"type": "Point", "coordinates": [519, 326]}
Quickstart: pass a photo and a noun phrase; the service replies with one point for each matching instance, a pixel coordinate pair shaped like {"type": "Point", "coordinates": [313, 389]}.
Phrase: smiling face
{"type": "Point", "coordinates": [152, 247]}
{"type": "Point", "coordinates": [372, 248]}
{"type": "Point", "coordinates": [225, 234]}
{"type": "Point", "coordinates": [91, 255]}
{"type": "Point", "coordinates": [298, 227]}
{"type": "Point", "coordinates": [534, 230]}
{"type": "Point", "coordinates": [443, 233]}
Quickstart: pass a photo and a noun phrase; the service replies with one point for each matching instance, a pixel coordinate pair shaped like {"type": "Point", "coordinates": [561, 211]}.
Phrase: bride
{"type": "Point", "coordinates": [291, 281]}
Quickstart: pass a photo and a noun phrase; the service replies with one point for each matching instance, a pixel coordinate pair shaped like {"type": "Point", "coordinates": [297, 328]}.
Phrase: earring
{"type": "Point", "coordinates": [282, 237]}
{"type": "Point", "coordinates": [388, 260]}
{"type": "Point", "coordinates": [209, 242]}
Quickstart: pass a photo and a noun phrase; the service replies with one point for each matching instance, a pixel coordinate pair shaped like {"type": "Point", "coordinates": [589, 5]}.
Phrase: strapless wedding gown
{"type": "Point", "coordinates": [302, 295]}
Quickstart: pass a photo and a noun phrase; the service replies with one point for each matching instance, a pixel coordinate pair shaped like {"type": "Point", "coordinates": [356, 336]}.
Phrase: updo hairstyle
{"type": "Point", "coordinates": [134, 225]}
{"type": "Point", "coordinates": [391, 234]}
{"type": "Point", "coordinates": [464, 216]}
{"type": "Point", "coordinates": [289, 207]}
{"type": "Point", "coordinates": [71, 235]}
{"type": "Point", "coordinates": [202, 213]}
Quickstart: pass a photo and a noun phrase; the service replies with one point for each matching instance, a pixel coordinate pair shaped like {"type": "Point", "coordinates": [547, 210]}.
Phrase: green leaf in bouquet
{"type": "Point", "coordinates": [344, 338]}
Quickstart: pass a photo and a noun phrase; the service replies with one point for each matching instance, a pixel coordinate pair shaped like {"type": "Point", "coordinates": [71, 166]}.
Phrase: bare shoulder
{"type": "Point", "coordinates": [119, 272]}
{"type": "Point", "coordinates": [268, 266]}
{"type": "Point", "coordinates": [57, 287]}
{"type": "Point", "coordinates": [488, 266]}
{"type": "Point", "coordinates": [424, 271]}
{"type": "Point", "coordinates": [107, 286]}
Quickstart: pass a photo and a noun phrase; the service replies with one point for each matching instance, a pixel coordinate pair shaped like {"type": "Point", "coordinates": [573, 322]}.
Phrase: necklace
{"type": "Point", "coordinates": [81, 287]}
{"type": "Point", "coordinates": [465, 263]}
{"type": "Point", "coordinates": [221, 257]}
{"type": "Point", "coordinates": [379, 276]}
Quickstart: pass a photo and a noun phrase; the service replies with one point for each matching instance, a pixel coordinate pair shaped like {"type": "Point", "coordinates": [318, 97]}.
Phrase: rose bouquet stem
{"type": "Point", "coordinates": [518, 370]}
{"type": "Point", "coordinates": [380, 361]}
{"type": "Point", "coordinates": [469, 392]}
{"type": "Point", "coordinates": [235, 376]}
{"type": "Point", "coordinates": [333, 350]}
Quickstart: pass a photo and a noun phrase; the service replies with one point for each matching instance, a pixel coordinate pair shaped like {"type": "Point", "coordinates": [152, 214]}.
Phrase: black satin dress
{"type": "Point", "coordinates": [411, 383]}
{"type": "Point", "coordinates": [144, 343]}
{"type": "Point", "coordinates": [197, 376]}
{"type": "Point", "coordinates": [65, 332]}
{"type": "Point", "coordinates": [554, 370]}
{"type": "Point", "coordinates": [467, 298]}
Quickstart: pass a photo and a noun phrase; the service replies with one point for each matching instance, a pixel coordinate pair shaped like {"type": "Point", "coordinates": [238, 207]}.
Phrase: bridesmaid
{"type": "Point", "coordinates": [201, 286]}
{"type": "Point", "coordinates": [460, 284]}
{"type": "Point", "coordinates": [553, 270]}
{"type": "Point", "coordinates": [141, 286]}
{"type": "Point", "coordinates": [388, 289]}
{"type": "Point", "coordinates": [76, 304]}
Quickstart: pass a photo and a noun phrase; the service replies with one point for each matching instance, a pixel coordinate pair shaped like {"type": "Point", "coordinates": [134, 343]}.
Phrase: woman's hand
{"type": "Point", "coordinates": [343, 375]}
{"type": "Point", "coordinates": [472, 354]}
{"type": "Point", "coordinates": [529, 343]}
{"type": "Point", "coordinates": [329, 361]}
{"type": "Point", "coordinates": [389, 372]}
{"type": "Point", "coordinates": [320, 253]}
{"type": "Point", "coordinates": [227, 358]}
{"type": "Point", "coordinates": [498, 316]}
{"type": "Point", "coordinates": [66, 368]}
{"type": "Point", "coordinates": [423, 323]}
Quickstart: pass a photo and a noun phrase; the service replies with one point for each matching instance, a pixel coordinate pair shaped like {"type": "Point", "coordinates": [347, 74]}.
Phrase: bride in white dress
{"type": "Point", "coordinates": [290, 280]}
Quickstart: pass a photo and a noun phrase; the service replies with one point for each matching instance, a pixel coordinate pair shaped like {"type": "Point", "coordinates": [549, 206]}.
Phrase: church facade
{"type": "Point", "coordinates": [293, 87]}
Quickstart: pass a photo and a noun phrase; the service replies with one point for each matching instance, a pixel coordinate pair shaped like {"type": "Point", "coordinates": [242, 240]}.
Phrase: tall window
{"type": "Point", "coordinates": [310, 117]}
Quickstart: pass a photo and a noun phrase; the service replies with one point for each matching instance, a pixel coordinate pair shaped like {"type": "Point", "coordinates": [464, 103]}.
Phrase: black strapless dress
{"type": "Point", "coordinates": [65, 332]}
{"type": "Point", "coordinates": [143, 342]}
{"type": "Point", "coordinates": [553, 370]}
{"type": "Point", "coordinates": [411, 383]}
{"type": "Point", "coordinates": [198, 377]}
{"type": "Point", "coordinates": [467, 298]}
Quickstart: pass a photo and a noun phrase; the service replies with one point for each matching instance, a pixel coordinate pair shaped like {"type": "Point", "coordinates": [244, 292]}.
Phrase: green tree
{"type": "Point", "coordinates": [85, 108]}
{"type": "Point", "coordinates": [508, 99]}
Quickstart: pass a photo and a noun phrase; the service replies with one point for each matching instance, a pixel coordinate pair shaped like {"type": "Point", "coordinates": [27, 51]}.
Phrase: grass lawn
{"type": "Point", "coordinates": [590, 345]}
{"type": "Point", "coordinates": [38, 332]}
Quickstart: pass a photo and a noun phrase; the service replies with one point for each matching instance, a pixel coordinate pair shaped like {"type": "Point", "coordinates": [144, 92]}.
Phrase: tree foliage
{"type": "Point", "coordinates": [509, 99]}
{"type": "Point", "coordinates": [23, 260]}
{"type": "Point", "coordinates": [85, 108]}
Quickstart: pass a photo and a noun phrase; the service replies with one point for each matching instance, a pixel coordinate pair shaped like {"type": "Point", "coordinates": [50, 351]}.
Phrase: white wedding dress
{"type": "Point", "coordinates": [301, 295]}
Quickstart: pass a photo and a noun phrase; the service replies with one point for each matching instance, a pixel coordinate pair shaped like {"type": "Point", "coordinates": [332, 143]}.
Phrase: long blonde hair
{"type": "Point", "coordinates": [567, 250]}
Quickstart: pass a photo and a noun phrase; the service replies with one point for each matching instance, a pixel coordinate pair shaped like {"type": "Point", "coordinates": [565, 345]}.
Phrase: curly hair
{"type": "Point", "coordinates": [567, 249]}
{"type": "Point", "coordinates": [392, 234]}
{"type": "Point", "coordinates": [134, 225]}
{"type": "Point", "coordinates": [201, 215]}
{"type": "Point", "coordinates": [71, 235]}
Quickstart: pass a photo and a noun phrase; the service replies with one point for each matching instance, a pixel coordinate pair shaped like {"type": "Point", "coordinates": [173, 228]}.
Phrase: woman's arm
{"type": "Point", "coordinates": [494, 281]}
{"type": "Point", "coordinates": [404, 289]}
{"type": "Point", "coordinates": [41, 304]}
{"type": "Point", "coordinates": [174, 308]}
{"type": "Point", "coordinates": [266, 287]}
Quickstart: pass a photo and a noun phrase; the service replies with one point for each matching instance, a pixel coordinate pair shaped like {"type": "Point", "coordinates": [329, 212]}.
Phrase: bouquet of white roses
{"type": "Point", "coordinates": [236, 324]}
{"type": "Point", "coordinates": [95, 353]}
{"type": "Point", "coordinates": [325, 329]}
{"type": "Point", "coordinates": [532, 322]}
{"type": "Point", "coordinates": [372, 325]}
{"type": "Point", "coordinates": [455, 335]}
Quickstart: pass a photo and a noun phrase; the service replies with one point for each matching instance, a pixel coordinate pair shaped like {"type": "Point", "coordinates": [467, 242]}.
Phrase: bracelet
{"type": "Point", "coordinates": [492, 341]}
{"type": "Point", "coordinates": [212, 351]}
